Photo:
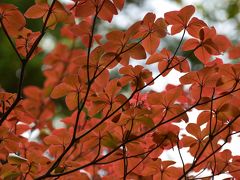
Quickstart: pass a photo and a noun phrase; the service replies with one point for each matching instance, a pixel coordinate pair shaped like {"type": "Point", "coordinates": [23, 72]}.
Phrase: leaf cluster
{"type": "Point", "coordinates": [109, 134]}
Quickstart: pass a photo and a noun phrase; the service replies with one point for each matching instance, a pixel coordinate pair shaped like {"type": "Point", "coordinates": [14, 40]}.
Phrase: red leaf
{"type": "Point", "coordinates": [234, 51]}
{"type": "Point", "coordinates": [137, 52]}
{"type": "Point", "coordinates": [119, 4]}
{"type": "Point", "coordinates": [151, 43]}
{"type": "Point", "coordinates": [85, 9]}
{"type": "Point", "coordinates": [194, 26]}
{"type": "Point", "coordinates": [202, 54]}
{"type": "Point", "coordinates": [190, 44]}
{"type": "Point", "coordinates": [36, 11]}
{"type": "Point", "coordinates": [61, 90]}
{"type": "Point", "coordinates": [107, 11]}
{"type": "Point", "coordinates": [179, 19]}
{"type": "Point", "coordinates": [12, 19]}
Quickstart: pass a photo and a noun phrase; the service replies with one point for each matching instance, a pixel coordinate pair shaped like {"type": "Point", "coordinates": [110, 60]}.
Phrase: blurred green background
{"type": "Point", "coordinates": [9, 63]}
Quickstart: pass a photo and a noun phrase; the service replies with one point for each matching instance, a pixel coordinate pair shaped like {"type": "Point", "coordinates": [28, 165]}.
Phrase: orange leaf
{"type": "Point", "coordinates": [194, 26]}
{"type": "Point", "coordinates": [107, 11]}
{"type": "Point", "coordinates": [202, 54]}
{"type": "Point", "coordinates": [137, 52]}
{"type": "Point", "coordinates": [61, 90]}
{"type": "Point", "coordinates": [190, 44]}
{"type": "Point", "coordinates": [72, 101]}
{"type": "Point", "coordinates": [85, 9]}
{"type": "Point", "coordinates": [234, 51]}
{"type": "Point", "coordinates": [119, 4]}
{"type": "Point", "coordinates": [36, 11]}
{"type": "Point", "coordinates": [179, 19]}
{"type": "Point", "coordinates": [151, 43]}
{"type": "Point", "coordinates": [12, 19]}
{"type": "Point", "coordinates": [194, 129]}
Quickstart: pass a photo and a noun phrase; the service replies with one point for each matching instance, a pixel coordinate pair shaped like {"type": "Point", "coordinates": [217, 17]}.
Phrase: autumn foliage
{"type": "Point", "coordinates": [111, 134]}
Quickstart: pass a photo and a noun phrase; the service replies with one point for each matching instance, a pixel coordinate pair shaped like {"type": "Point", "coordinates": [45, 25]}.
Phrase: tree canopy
{"type": "Point", "coordinates": [107, 132]}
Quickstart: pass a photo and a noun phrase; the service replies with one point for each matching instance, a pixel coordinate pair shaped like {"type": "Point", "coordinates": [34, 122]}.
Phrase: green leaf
{"type": "Point", "coordinates": [146, 120]}
{"type": "Point", "coordinates": [110, 141]}
{"type": "Point", "coordinates": [14, 159]}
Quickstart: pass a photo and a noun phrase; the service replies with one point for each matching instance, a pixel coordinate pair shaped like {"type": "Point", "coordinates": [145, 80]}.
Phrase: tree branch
{"type": "Point", "coordinates": [24, 62]}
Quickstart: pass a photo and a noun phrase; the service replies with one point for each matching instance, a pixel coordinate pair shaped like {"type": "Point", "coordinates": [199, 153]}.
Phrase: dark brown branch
{"type": "Point", "coordinates": [211, 132]}
{"type": "Point", "coordinates": [146, 132]}
{"type": "Point", "coordinates": [183, 164]}
{"type": "Point", "coordinates": [146, 156]}
{"type": "Point", "coordinates": [10, 40]}
{"type": "Point", "coordinates": [131, 96]}
{"type": "Point", "coordinates": [125, 163]}
{"type": "Point", "coordinates": [80, 107]}
{"type": "Point", "coordinates": [195, 163]}
{"type": "Point", "coordinates": [19, 94]}
{"type": "Point", "coordinates": [132, 138]}
{"type": "Point", "coordinates": [24, 62]}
